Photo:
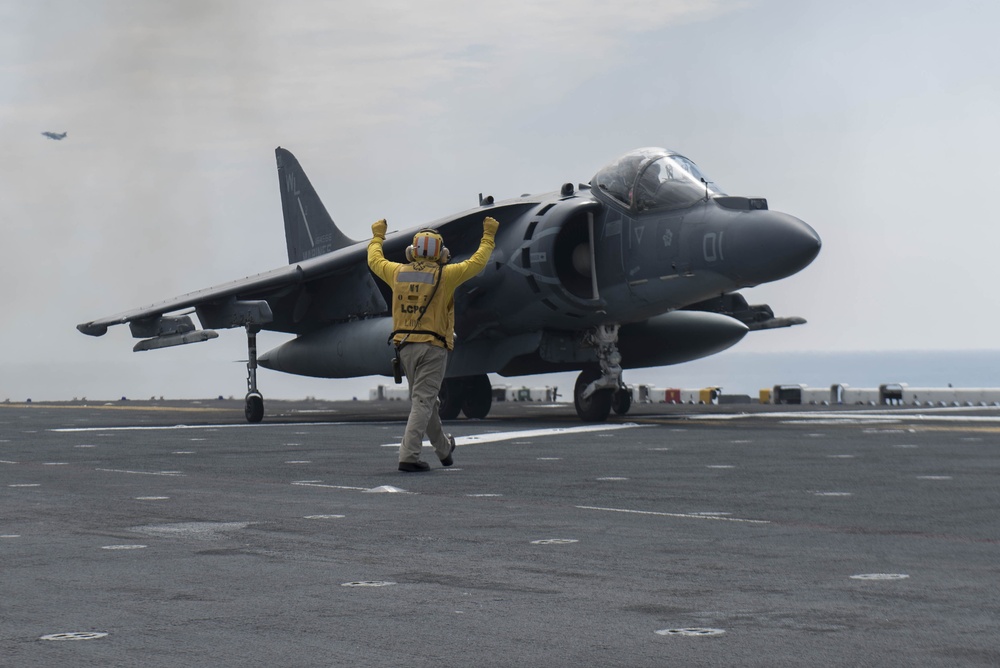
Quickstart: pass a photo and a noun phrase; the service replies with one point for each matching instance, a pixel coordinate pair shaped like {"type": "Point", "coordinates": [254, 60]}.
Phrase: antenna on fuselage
{"type": "Point", "coordinates": [706, 187]}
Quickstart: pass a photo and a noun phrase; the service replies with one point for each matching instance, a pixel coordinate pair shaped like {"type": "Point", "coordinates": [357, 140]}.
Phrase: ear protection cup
{"type": "Point", "coordinates": [429, 245]}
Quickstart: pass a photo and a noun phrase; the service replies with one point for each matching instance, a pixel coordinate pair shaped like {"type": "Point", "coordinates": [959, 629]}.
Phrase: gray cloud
{"type": "Point", "coordinates": [876, 126]}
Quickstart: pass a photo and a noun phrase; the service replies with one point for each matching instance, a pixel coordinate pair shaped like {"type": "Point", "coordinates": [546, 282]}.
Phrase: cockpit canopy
{"type": "Point", "coordinates": [655, 178]}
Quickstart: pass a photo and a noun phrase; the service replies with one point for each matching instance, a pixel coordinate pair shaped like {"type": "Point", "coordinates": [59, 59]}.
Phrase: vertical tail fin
{"type": "Point", "coordinates": [309, 230]}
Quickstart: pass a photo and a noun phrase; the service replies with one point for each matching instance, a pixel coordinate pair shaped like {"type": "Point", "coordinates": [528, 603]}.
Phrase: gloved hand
{"type": "Point", "coordinates": [378, 229]}
{"type": "Point", "coordinates": [490, 225]}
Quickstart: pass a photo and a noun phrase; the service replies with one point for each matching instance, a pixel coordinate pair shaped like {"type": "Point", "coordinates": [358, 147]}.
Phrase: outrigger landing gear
{"type": "Point", "coordinates": [600, 386]}
{"type": "Point", "coordinates": [254, 408]}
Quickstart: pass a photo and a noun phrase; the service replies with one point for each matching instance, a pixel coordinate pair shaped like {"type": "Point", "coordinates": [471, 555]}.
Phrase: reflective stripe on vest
{"type": "Point", "coordinates": [415, 277]}
{"type": "Point", "coordinates": [413, 293]}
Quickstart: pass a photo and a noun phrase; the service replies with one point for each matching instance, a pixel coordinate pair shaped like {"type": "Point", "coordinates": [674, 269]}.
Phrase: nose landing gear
{"type": "Point", "coordinates": [599, 387]}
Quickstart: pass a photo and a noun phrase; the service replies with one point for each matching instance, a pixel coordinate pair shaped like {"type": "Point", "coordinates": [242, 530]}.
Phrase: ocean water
{"type": "Point", "coordinates": [747, 373]}
{"type": "Point", "coordinates": [194, 376]}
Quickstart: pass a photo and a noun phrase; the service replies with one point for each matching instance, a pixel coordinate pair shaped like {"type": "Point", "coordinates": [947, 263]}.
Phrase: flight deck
{"type": "Point", "coordinates": [173, 533]}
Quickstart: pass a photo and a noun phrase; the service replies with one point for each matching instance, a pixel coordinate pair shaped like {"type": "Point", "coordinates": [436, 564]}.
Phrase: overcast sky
{"type": "Point", "coordinates": [875, 122]}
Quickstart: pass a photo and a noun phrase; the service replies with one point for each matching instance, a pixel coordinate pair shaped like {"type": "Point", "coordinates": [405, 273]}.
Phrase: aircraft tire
{"type": "Point", "coordinates": [478, 397]}
{"type": "Point", "coordinates": [621, 401]}
{"type": "Point", "coordinates": [451, 396]}
{"type": "Point", "coordinates": [254, 408]}
{"type": "Point", "coordinates": [596, 407]}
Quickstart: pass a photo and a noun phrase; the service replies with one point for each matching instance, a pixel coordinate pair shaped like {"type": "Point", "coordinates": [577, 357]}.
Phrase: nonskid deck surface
{"type": "Point", "coordinates": [677, 535]}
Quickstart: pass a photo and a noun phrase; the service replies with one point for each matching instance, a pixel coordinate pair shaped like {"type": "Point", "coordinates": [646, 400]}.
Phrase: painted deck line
{"type": "Point", "coordinates": [851, 416]}
{"type": "Point", "coordinates": [174, 474]}
{"type": "Point", "coordinates": [316, 484]}
{"type": "Point", "coordinates": [529, 433]}
{"type": "Point", "coordinates": [69, 430]}
{"type": "Point", "coordinates": [687, 516]}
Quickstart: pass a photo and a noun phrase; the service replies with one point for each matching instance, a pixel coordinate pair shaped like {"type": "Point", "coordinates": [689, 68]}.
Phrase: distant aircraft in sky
{"type": "Point", "coordinates": [640, 267]}
{"type": "Point", "coordinates": [55, 135]}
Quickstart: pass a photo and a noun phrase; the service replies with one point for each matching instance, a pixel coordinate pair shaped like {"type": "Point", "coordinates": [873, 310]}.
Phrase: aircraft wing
{"type": "Point", "coordinates": [303, 296]}
{"type": "Point", "coordinates": [327, 280]}
{"type": "Point", "coordinates": [293, 298]}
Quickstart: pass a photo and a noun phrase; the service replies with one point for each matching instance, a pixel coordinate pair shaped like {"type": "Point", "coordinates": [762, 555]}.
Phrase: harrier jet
{"type": "Point", "coordinates": [639, 267]}
{"type": "Point", "coordinates": [55, 135]}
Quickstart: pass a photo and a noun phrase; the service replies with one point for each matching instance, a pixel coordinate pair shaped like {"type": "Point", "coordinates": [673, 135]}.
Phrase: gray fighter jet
{"type": "Point", "coordinates": [58, 136]}
{"type": "Point", "coordinates": [640, 267]}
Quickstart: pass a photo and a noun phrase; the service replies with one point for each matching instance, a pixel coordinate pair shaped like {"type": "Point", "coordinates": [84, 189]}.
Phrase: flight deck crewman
{"type": "Point", "coordinates": [423, 323]}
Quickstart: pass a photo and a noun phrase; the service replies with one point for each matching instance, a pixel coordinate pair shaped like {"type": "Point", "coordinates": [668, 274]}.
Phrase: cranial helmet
{"type": "Point", "coordinates": [428, 245]}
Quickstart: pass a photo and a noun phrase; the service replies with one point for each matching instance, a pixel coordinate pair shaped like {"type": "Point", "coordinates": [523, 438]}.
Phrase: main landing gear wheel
{"type": "Point", "coordinates": [596, 407]}
{"type": "Point", "coordinates": [254, 408]}
{"type": "Point", "coordinates": [451, 397]}
{"type": "Point", "coordinates": [478, 397]}
{"type": "Point", "coordinates": [621, 401]}
{"type": "Point", "coordinates": [471, 395]}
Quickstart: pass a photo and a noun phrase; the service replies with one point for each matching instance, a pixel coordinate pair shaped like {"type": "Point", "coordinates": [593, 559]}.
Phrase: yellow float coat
{"type": "Point", "coordinates": [413, 287]}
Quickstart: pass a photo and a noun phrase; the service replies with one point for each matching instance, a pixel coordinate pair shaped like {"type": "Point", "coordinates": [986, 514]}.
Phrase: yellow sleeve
{"type": "Point", "coordinates": [456, 274]}
{"type": "Point", "coordinates": [384, 269]}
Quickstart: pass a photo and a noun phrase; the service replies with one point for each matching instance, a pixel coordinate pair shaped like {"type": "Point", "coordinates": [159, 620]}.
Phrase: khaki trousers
{"type": "Point", "coordinates": [424, 365]}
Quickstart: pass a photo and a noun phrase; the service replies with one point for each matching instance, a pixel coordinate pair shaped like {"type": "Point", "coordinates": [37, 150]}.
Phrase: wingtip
{"type": "Point", "coordinates": [90, 329]}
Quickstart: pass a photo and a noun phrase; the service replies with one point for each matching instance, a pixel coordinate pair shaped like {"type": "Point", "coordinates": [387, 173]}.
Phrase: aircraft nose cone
{"type": "Point", "coordinates": [769, 247]}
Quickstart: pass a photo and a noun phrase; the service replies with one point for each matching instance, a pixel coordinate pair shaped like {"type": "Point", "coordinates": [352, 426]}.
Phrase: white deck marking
{"type": "Point", "coordinates": [384, 489]}
{"type": "Point", "coordinates": [166, 473]}
{"type": "Point", "coordinates": [529, 433]}
{"type": "Point", "coordinates": [75, 635]}
{"type": "Point", "coordinates": [124, 547]}
{"type": "Point", "coordinates": [689, 516]}
{"type": "Point", "coordinates": [861, 417]}
{"type": "Point", "coordinates": [555, 541]}
{"type": "Point", "coordinates": [368, 583]}
{"type": "Point", "coordinates": [209, 427]}
{"type": "Point", "coordinates": [316, 484]}
{"type": "Point", "coordinates": [691, 632]}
